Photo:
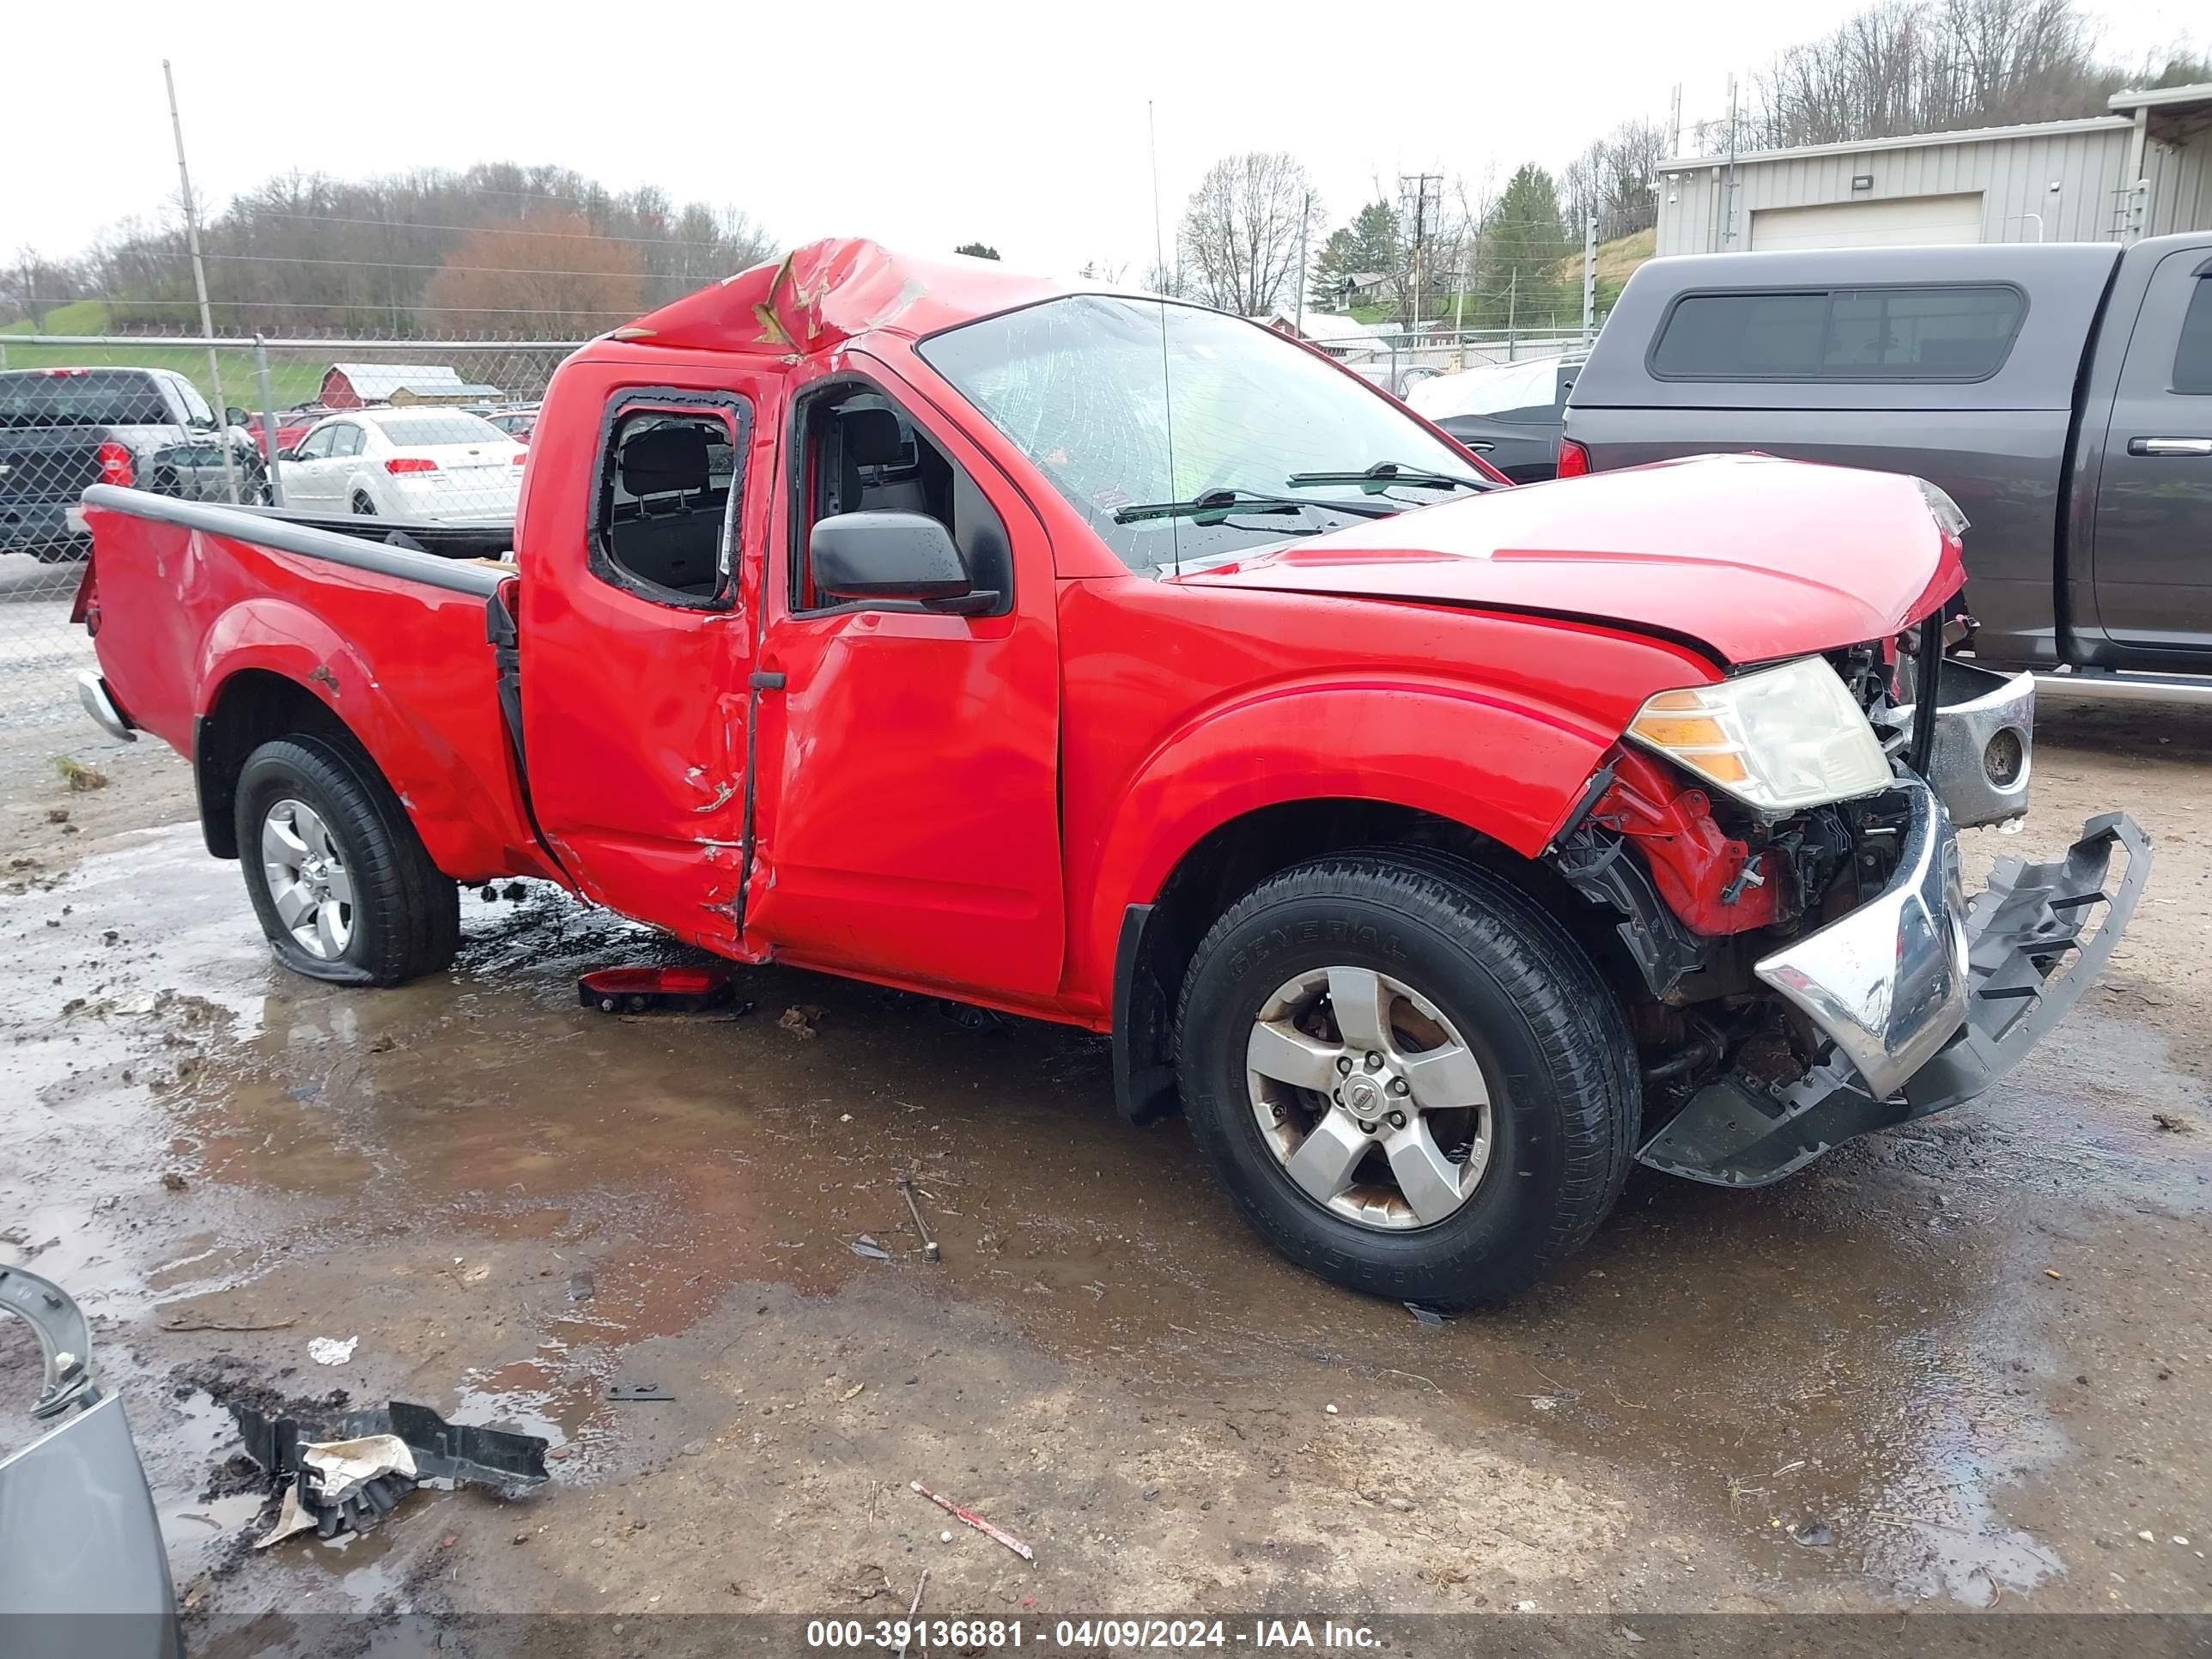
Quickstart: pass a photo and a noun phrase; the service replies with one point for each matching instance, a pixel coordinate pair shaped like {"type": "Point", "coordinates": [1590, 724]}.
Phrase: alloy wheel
{"type": "Point", "coordinates": [1369, 1098]}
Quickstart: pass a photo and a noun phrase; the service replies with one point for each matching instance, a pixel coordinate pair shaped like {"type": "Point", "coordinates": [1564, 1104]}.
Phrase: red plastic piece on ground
{"type": "Point", "coordinates": [638, 990]}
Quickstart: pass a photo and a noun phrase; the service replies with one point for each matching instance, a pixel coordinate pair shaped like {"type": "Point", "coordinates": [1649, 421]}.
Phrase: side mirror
{"type": "Point", "coordinates": [288, 455]}
{"type": "Point", "coordinates": [892, 556]}
{"type": "Point", "coordinates": [234, 416]}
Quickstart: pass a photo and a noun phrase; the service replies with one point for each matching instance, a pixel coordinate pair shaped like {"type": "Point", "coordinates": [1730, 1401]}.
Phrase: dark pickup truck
{"type": "Point", "coordinates": [62, 430]}
{"type": "Point", "coordinates": [2061, 394]}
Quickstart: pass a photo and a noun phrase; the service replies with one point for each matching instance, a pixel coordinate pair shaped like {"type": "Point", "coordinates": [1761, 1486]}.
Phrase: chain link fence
{"type": "Point", "coordinates": [429, 430]}
{"type": "Point", "coordinates": [1397, 359]}
{"type": "Point", "coordinates": [417, 429]}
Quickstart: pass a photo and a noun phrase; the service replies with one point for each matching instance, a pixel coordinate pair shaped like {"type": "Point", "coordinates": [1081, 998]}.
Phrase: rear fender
{"type": "Point", "coordinates": [424, 770]}
{"type": "Point", "coordinates": [1509, 769]}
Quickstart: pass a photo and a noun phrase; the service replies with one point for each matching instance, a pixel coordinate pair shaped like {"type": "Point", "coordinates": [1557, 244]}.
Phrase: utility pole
{"type": "Point", "coordinates": [1728, 191]}
{"type": "Point", "coordinates": [1674, 123]}
{"type": "Point", "coordinates": [199, 282]}
{"type": "Point", "coordinates": [1421, 183]}
{"type": "Point", "coordinates": [1305, 220]}
{"type": "Point", "coordinates": [1589, 278]}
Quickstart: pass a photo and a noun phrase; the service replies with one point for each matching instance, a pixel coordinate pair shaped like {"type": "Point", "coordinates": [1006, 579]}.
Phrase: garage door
{"type": "Point", "coordinates": [1901, 222]}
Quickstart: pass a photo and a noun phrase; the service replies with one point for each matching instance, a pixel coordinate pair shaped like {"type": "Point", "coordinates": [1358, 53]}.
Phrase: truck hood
{"type": "Point", "coordinates": [1747, 558]}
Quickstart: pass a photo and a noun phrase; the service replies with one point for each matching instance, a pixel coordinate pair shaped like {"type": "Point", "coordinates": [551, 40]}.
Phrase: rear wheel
{"type": "Point", "coordinates": [339, 877]}
{"type": "Point", "coordinates": [1411, 1079]}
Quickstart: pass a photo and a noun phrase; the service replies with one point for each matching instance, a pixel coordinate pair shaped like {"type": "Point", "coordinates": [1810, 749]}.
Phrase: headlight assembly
{"type": "Point", "coordinates": [1776, 740]}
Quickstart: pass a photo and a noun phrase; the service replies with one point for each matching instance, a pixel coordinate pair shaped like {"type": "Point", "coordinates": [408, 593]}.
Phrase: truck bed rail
{"type": "Point", "coordinates": [456, 571]}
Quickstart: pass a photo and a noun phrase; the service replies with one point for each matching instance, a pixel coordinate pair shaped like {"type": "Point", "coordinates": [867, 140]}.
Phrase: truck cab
{"type": "Point", "coordinates": [2060, 393]}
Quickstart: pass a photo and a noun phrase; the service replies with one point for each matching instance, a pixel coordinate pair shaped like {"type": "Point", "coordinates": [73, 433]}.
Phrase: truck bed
{"type": "Point", "coordinates": [194, 606]}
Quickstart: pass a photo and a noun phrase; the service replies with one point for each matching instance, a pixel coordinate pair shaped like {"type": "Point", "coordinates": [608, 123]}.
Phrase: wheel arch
{"type": "Point", "coordinates": [1157, 937]}
{"type": "Point", "coordinates": [273, 669]}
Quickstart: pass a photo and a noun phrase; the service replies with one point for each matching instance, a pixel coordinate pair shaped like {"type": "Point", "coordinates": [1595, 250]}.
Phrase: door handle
{"type": "Point", "coordinates": [2170, 446]}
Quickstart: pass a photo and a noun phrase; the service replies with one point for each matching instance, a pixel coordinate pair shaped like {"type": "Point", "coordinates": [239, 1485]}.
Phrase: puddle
{"type": "Point", "coordinates": [1828, 1348]}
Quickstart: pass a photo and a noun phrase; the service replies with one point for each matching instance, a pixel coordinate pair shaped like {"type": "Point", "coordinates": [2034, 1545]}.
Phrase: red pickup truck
{"type": "Point", "coordinates": [1439, 848]}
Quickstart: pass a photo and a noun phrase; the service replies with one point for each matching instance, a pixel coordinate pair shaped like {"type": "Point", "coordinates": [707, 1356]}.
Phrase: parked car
{"type": "Point", "coordinates": [432, 465]}
{"type": "Point", "coordinates": [1438, 860]}
{"type": "Point", "coordinates": [516, 420]}
{"type": "Point", "coordinates": [196, 471]}
{"type": "Point", "coordinates": [2062, 393]}
{"type": "Point", "coordinates": [292, 425]}
{"type": "Point", "coordinates": [1398, 379]}
{"type": "Point", "coordinates": [63, 428]}
{"type": "Point", "coordinates": [1509, 413]}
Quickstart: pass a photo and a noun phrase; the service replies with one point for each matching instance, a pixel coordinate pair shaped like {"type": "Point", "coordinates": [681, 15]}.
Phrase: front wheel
{"type": "Point", "coordinates": [337, 875]}
{"type": "Point", "coordinates": [1411, 1079]}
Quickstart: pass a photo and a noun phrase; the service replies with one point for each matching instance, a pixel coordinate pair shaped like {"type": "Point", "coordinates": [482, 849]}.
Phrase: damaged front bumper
{"type": "Point", "coordinates": [1926, 998]}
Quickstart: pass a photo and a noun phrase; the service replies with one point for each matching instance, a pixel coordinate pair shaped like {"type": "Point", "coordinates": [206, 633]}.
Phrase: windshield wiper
{"type": "Point", "coordinates": [1383, 474]}
{"type": "Point", "coordinates": [1246, 502]}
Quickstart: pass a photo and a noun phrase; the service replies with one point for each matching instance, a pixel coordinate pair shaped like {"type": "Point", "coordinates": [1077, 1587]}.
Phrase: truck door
{"type": "Point", "coordinates": [908, 767]}
{"type": "Point", "coordinates": [2153, 549]}
{"type": "Point", "coordinates": [634, 642]}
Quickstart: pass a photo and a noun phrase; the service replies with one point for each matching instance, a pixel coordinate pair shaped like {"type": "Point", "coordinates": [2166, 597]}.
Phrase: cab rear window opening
{"type": "Point", "coordinates": [1926, 332]}
{"type": "Point", "coordinates": [666, 494]}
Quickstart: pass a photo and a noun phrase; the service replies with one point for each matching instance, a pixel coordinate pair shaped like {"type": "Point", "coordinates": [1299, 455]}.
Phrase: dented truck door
{"type": "Point", "coordinates": [907, 756]}
{"type": "Point", "coordinates": [636, 633]}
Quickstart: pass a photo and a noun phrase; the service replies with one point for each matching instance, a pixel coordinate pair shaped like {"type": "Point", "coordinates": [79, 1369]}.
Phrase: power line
{"type": "Point", "coordinates": [397, 264]}
{"type": "Point", "coordinates": [343, 305]}
{"type": "Point", "coordinates": [504, 230]}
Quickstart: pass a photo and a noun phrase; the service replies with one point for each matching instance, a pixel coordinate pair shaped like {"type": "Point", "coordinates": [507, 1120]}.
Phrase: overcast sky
{"type": "Point", "coordinates": [922, 127]}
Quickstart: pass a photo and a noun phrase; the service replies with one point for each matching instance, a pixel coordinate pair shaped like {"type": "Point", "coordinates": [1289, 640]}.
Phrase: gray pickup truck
{"type": "Point", "coordinates": [62, 430]}
{"type": "Point", "coordinates": [2060, 393]}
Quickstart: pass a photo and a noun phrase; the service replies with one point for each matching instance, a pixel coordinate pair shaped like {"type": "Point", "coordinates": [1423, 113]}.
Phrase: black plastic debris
{"type": "Point", "coordinates": [1429, 1318]}
{"type": "Point", "coordinates": [621, 1391]}
{"type": "Point", "coordinates": [451, 1454]}
{"type": "Point", "coordinates": [1814, 1533]}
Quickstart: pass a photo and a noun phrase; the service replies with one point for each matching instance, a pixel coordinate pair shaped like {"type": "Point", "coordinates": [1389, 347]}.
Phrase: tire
{"type": "Point", "coordinates": [403, 917]}
{"type": "Point", "coordinates": [362, 507]}
{"type": "Point", "coordinates": [1505, 983]}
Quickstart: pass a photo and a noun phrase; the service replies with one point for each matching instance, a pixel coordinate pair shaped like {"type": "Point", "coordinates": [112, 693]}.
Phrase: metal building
{"type": "Point", "coordinates": [2142, 170]}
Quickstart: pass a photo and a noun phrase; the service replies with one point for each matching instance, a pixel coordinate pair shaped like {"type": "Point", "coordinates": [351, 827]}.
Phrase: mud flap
{"type": "Point", "coordinates": [1741, 1131]}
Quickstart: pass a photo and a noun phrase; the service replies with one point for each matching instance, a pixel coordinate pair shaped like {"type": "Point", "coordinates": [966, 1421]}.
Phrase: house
{"type": "Point", "coordinates": [1338, 335]}
{"type": "Point", "coordinates": [349, 386]}
{"type": "Point", "coordinates": [2143, 168]}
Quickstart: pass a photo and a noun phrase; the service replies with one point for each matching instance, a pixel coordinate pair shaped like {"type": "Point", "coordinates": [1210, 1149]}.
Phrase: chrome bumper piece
{"type": "Point", "coordinates": [1926, 1001]}
{"type": "Point", "coordinates": [1888, 983]}
{"type": "Point", "coordinates": [1982, 752]}
{"type": "Point", "coordinates": [92, 692]}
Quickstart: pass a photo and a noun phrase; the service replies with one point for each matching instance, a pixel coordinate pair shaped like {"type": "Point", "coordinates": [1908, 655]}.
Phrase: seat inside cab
{"type": "Point", "coordinates": [868, 457]}
{"type": "Point", "coordinates": [665, 499]}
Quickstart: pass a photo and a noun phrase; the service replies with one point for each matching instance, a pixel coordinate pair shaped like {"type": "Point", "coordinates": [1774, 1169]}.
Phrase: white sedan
{"type": "Point", "coordinates": [426, 466]}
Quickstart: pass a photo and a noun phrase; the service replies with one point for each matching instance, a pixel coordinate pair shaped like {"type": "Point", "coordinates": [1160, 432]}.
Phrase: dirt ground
{"type": "Point", "coordinates": [1974, 1353]}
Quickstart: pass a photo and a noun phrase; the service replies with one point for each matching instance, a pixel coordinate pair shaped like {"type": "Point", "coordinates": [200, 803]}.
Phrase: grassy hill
{"type": "Point", "coordinates": [291, 379]}
{"type": "Point", "coordinates": [1616, 261]}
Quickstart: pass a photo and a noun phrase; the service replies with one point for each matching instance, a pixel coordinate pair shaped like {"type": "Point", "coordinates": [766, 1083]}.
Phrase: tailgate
{"type": "Point", "coordinates": [54, 465]}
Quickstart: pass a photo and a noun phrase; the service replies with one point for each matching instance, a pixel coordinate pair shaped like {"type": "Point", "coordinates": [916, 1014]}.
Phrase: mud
{"type": "Point", "coordinates": [1974, 1353]}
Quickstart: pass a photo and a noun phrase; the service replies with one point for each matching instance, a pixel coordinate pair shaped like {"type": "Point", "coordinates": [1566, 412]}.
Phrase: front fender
{"type": "Point", "coordinates": [278, 636]}
{"type": "Point", "coordinates": [1506, 766]}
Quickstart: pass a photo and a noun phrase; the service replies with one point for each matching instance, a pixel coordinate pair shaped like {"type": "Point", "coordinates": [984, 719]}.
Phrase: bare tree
{"type": "Point", "coordinates": [1239, 235]}
{"type": "Point", "coordinates": [1905, 66]}
{"type": "Point", "coordinates": [1612, 180]}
